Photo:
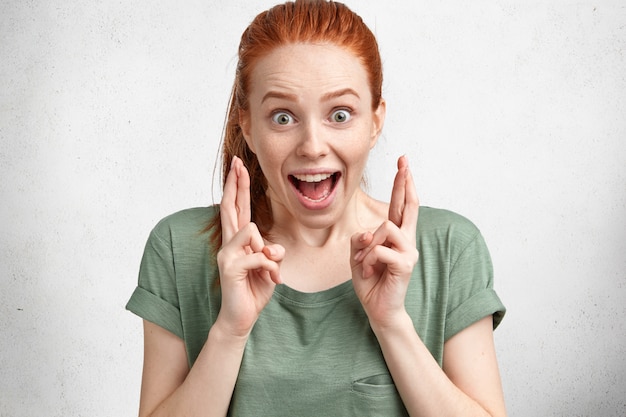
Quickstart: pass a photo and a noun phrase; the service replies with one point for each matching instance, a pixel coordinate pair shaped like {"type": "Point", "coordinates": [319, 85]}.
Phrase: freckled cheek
{"type": "Point", "coordinates": [271, 157]}
{"type": "Point", "coordinates": [356, 161]}
{"type": "Point", "coordinates": [357, 149]}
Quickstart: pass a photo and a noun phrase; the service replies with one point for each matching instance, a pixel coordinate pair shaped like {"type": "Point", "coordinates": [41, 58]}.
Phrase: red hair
{"type": "Point", "coordinates": [302, 21]}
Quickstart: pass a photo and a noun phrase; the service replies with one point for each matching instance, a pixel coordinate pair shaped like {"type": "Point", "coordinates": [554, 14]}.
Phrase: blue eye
{"type": "Point", "coordinates": [340, 116]}
{"type": "Point", "coordinates": [282, 118]}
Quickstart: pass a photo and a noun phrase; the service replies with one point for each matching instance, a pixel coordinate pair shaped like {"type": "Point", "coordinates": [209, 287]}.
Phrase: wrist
{"type": "Point", "coordinates": [392, 325]}
{"type": "Point", "coordinates": [222, 333]}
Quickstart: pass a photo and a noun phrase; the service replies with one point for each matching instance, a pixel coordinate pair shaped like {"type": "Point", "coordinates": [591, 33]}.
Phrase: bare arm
{"type": "Point", "coordinates": [249, 270]}
{"type": "Point", "coordinates": [164, 366]}
{"type": "Point", "coordinates": [469, 360]}
{"type": "Point", "coordinates": [382, 262]}
{"type": "Point", "coordinates": [168, 386]}
{"type": "Point", "coordinates": [469, 383]}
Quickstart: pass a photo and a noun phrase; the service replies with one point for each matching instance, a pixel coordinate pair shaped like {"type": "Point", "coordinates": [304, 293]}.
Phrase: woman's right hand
{"type": "Point", "coordinates": [249, 269]}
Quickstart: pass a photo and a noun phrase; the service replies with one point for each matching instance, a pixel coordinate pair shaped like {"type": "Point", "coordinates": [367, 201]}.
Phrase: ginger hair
{"type": "Point", "coordinates": [302, 21]}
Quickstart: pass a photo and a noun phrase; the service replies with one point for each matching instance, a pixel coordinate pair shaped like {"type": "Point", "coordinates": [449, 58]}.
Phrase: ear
{"type": "Point", "coordinates": [244, 123]}
{"type": "Point", "coordinates": [378, 120]}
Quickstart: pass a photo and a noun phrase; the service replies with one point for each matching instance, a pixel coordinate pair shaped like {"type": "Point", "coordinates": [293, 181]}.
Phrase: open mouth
{"type": "Point", "coordinates": [316, 187]}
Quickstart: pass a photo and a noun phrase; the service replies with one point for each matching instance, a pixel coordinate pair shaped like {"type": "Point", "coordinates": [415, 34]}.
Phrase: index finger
{"type": "Point", "coordinates": [411, 206]}
{"type": "Point", "coordinates": [404, 204]}
{"type": "Point", "coordinates": [243, 195]}
{"type": "Point", "coordinates": [396, 204]}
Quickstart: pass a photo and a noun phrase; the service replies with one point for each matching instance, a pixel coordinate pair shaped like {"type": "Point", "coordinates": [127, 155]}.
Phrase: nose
{"type": "Point", "coordinates": [313, 143]}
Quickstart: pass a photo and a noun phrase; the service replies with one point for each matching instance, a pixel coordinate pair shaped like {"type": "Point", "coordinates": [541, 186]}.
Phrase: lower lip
{"type": "Point", "coordinates": [316, 205]}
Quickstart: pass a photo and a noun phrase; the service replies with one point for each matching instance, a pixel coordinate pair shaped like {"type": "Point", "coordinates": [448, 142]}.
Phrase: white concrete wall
{"type": "Point", "coordinates": [513, 113]}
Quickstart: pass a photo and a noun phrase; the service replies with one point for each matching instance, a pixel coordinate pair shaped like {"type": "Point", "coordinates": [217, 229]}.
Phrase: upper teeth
{"type": "Point", "coordinates": [313, 178]}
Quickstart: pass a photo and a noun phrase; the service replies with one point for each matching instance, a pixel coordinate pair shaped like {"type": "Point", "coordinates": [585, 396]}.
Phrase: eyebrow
{"type": "Point", "coordinates": [325, 97]}
{"type": "Point", "coordinates": [340, 93]}
{"type": "Point", "coordinates": [279, 95]}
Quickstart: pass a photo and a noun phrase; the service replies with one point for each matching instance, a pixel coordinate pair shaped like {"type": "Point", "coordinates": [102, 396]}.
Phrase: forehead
{"type": "Point", "coordinates": [309, 68]}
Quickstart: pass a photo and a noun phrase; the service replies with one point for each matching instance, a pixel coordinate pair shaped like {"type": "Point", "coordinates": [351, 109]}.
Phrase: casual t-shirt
{"type": "Point", "coordinates": [314, 354]}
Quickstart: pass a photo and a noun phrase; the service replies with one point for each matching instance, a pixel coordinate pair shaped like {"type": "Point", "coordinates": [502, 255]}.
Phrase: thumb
{"type": "Point", "coordinates": [275, 253]}
{"type": "Point", "coordinates": [358, 245]}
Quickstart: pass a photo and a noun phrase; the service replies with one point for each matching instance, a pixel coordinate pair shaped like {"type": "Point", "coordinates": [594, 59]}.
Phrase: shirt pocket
{"type": "Point", "coordinates": [376, 395]}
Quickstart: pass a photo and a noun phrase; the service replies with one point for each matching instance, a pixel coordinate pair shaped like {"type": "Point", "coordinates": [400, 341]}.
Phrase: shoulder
{"type": "Point", "coordinates": [443, 233]}
{"type": "Point", "coordinates": [189, 221]}
{"type": "Point", "coordinates": [182, 241]}
{"type": "Point", "coordinates": [185, 229]}
{"type": "Point", "coordinates": [440, 222]}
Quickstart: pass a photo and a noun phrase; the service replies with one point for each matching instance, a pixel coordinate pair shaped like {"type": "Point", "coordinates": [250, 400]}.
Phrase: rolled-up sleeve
{"type": "Point", "coordinates": [156, 296]}
{"type": "Point", "coordinates": [471, 293]}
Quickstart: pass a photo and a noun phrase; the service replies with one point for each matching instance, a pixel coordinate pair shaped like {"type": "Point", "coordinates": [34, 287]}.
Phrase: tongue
{"type": "Point", "coordinates": [316, 190]}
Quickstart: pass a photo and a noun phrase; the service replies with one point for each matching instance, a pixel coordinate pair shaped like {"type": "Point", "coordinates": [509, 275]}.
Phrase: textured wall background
{"type": "Point", "coordinates": [512, 113]}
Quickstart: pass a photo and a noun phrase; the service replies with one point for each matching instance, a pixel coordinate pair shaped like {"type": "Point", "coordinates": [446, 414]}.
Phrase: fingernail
{"type": "Point", "coordinates": [357, 256]}
{"type": "Point", "coordinates": [232, 162]}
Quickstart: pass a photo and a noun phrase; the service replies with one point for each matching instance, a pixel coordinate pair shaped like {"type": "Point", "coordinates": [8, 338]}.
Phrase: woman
{"type": "Point", "coordinates": [304, 295]}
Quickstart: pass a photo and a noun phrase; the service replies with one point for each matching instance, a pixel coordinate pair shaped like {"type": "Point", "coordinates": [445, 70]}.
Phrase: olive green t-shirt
{"type": "Point", "coordinates": [314, 354]}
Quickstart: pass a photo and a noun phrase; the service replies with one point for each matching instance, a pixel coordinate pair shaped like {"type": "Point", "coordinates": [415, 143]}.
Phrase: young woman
{"type": "Point", "coordinates": [300, 295]}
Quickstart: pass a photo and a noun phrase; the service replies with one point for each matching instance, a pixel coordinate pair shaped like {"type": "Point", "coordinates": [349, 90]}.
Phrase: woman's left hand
{"type": "Point", "coordinates": [382, 262]}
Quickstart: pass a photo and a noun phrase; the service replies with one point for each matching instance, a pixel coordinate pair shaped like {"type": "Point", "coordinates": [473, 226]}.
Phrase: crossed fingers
{"type": "Point", "coordinates": [237, 229]}
{"type": "Point", "coordinates": [393, 243]}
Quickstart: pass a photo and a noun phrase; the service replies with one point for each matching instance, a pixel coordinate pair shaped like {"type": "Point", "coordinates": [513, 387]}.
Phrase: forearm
{"type": "Point", "coordinates": [208, 388]}
{"type": "Point", "coordinates": [424, 387]}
